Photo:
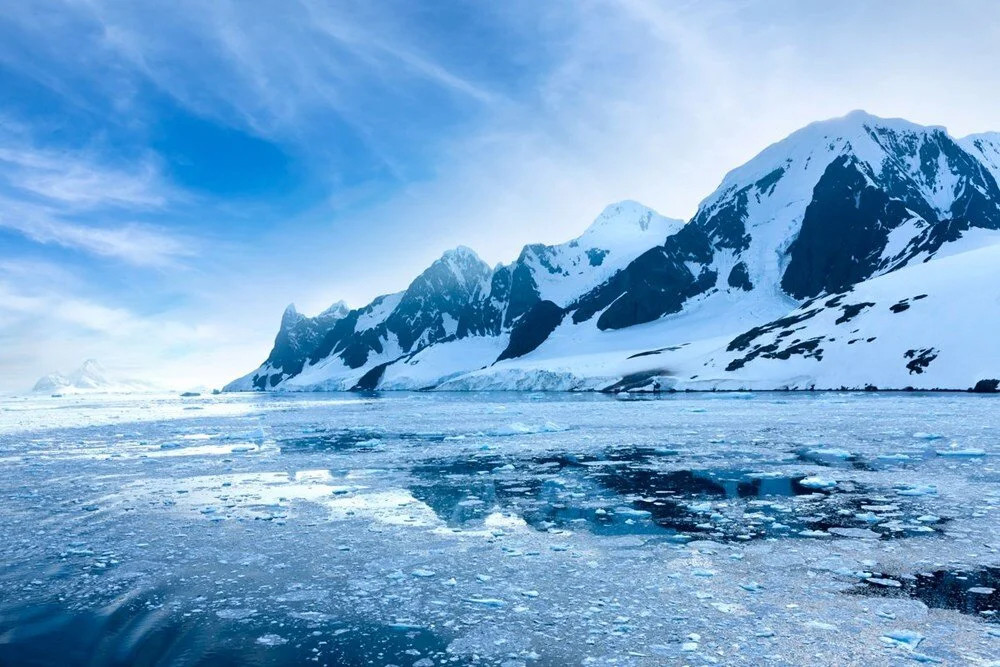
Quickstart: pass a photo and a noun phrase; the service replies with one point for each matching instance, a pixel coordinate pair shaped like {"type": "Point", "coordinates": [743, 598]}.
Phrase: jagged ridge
{"type": "Point", "coordinates": [831, 206]}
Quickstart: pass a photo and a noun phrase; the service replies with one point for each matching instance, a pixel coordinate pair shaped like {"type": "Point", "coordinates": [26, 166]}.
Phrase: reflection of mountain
{"type": "Point", "coordinates": [90, 377]}
{"type": "Point", "coordinates": [630, 491]}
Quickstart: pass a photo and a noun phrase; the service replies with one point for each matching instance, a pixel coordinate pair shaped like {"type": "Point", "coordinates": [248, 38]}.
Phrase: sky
{"type": "Point", "coordinates": [173, 174]}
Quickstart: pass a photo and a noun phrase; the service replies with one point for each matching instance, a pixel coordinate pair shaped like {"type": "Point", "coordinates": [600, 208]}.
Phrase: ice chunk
{"type": "Point", "coordinates": [961, 452]}
{"type": "Point", "coordinates": [921, 657]}
{"type": "Point", "coordinates": [814, 533]}
{"type": "Point", "coordinates": [820, 625]}
{"type": "Point", "coordinates": [907, 638]}
{"type": "Point", "coordinates": [815, 482]}
{"type": "Point", "coordinates": [271, 640]}
{"type": "Point", "coordinates": [917, 490]}
{"type": "Point", "coordinates": [830, 453]}
{"type": "Point", "coordinates": [487, 602]}
{"type": "Point", "coordinates": [881, 581]}
{"type": "Point", "coordinates": [857, 533]}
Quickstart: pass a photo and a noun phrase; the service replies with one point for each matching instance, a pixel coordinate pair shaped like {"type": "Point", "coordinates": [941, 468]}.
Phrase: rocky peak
{"type": "Point", "coordinates": [459, 270]}
{"type": "Point", "coordinates": [338, 310]}
{"type": "Point", "coordinates": [290, 317]}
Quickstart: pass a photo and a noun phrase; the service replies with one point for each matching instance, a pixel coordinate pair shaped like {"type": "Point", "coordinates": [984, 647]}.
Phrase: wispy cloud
{"type": "Point", "coordinates": [136, 244]}
{"type": "Point", "coordinates": [279, 67]}
{"type": "Point", "coordinates": [56, 197]}
{"type": "Point", "coordinates": [71, 179]}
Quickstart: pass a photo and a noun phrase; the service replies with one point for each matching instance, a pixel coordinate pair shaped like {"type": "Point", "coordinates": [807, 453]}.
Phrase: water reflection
{"type": "Point", "coordinates": [968, 591]}
{"type": "Point", "coordinates": [632, 491]}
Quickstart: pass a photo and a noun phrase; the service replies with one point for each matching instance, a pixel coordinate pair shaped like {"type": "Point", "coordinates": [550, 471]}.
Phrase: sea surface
{"type": "Point", "coordinates": [500, 529]}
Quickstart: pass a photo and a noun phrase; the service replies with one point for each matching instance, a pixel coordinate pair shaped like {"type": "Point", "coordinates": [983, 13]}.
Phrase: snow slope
{"type": "Point", "coordinates": [926, 326]}
{"type": "Point", "coordinates": [919, 327]}
{"type": "Point", "coordinates": [986, 147]}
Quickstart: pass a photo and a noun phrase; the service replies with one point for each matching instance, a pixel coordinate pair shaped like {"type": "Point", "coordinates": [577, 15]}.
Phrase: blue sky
{"type": "Point", "coordinates": [172, 174]}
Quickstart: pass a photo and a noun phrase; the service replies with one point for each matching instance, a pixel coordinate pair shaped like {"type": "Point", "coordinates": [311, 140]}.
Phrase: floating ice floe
{"type": "Point", "coordinates": [520, 428]}
{"type": "Point", "coordinates": [916, 490]}
{"type": "Point", "coordinates": [982, 590]}
{"type": "Point", "coordinates": [906, 638]}
{"type": "Point", "coordinates": [830, 453]}
{"type": "Point", "coordinates": [820, 625]}
{"type": "Point", "coordinates": [961, 452]}
{"type": "Point", "coordinates": [271, 640]}
{"type": "Point", "coordinates": [883, 581]}
{"type": "Point", "coordinates": [817, 482]}
{"type": "Point", "coordinates": [814, 533]}
{"type": "Point", "coordinates": [922, 657]}
{"type": "Point", "coordinates": [487, 602]}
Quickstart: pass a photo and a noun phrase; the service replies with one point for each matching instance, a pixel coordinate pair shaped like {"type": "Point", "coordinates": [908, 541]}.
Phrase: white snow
{"type": "Point", "coordinates": [90, 377]}
{"type": "Point", "coordinates": [942, 340]}
{"type": "Point", "coordinates": [985, 147]}
{"type": "Point", "coordinates": [620, 233]}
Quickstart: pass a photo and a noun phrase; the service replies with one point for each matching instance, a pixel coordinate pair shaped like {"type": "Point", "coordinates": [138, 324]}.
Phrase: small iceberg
{"type": "Point", "coordinates": [817, 482]}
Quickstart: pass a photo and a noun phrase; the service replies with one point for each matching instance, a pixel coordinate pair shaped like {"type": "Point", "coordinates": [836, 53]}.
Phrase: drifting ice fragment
{"type": "Point", "coordinates": [961, 452]}
{"type": "Point", "coordinates": [271, 640]}
{"type": "Point", "coordinates": [879, 581]}
{"type": "Point", "coordinates": [907, 638]}
{"type": "Point", "coordinates": [830, 453]}
{"type": "Point", "coordinates": [917, 490]}
{"type": "Point", "coordinates": [817, 483]}
{"type": "Point", "coordinates": [487, 602]}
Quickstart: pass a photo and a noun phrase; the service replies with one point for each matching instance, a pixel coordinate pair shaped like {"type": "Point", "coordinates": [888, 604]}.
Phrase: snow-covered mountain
{"type": "Point", "coordinates": [89, 377]}
{"type": "Point", "coordinates": [474, 314]}
{"type": "Point", "coordinates": [851, 211]}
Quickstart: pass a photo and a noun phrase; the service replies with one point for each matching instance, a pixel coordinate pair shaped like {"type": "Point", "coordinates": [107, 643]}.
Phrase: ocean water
{"type": "Point", "coordinates": [516, 529]}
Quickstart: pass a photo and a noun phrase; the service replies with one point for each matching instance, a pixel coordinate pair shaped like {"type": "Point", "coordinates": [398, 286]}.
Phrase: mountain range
{"type": "Point", "coordinates": [90, 377]}
{"type": "Point", "coordinates": [859, 252]}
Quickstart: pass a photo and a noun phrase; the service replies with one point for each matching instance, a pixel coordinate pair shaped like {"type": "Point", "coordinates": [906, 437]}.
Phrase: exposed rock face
{"type": "Point", "coordinates": [843, 234]}
{"type": "Point", "coordinates": [531, 329]}
{"type": "Point", "coordinates": [657, 283]}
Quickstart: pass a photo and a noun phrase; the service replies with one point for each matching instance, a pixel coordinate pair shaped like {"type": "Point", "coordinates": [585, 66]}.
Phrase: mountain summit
{"type": "Point", "coordinates": [852, 205]}
{"type": "Point", "coordinates": [89, 377]}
